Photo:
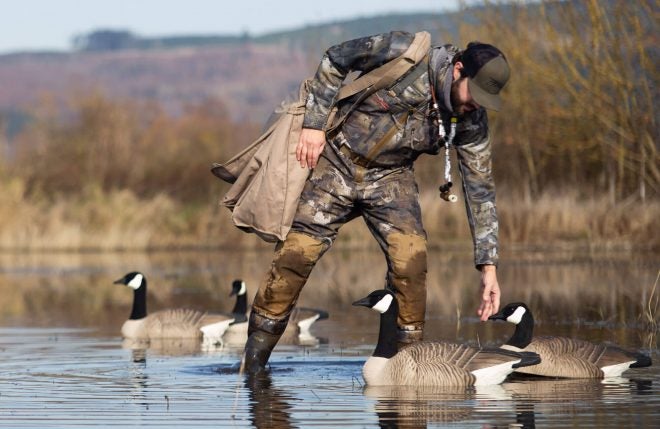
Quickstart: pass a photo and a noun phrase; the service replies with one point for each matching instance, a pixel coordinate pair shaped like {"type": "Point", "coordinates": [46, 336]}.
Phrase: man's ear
{"type": "Point", "coordinates": [459, 70]}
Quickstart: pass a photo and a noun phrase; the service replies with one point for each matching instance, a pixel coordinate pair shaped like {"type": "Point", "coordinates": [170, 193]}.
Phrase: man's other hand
{"type": "Point", "coordinates": [309, 147]}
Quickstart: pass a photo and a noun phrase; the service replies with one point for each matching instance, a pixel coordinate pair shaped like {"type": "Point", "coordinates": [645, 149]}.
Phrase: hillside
{"type": "Point", "coordinates": [250, 74]}
{"type": "Point", "coordinates": [171, 77]}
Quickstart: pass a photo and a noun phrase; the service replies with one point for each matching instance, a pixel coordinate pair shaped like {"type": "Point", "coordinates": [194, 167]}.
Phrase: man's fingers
{"type": "Point", "coordinates": [303, 155]}
{"type": "Point", "coordinates": [485, 311]}
{"type": "Point", "coordinates": [311, 157]}
{"type": "Point", "coordinates": [316, 153]}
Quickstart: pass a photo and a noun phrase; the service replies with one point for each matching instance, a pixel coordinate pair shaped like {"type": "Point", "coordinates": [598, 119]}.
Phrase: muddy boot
{"type": "Point", "coordinates": [406, 337]}
{"type": "Point", "coordinates": [263, 335]}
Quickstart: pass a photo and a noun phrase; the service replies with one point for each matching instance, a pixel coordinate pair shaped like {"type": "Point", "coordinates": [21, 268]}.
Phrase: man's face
{"type": "Point", "coordinates": [461, 100]}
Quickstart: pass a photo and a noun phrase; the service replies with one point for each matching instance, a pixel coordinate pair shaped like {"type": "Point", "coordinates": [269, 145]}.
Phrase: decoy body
{"type": "Point", "coordinates": [562, 356]}
{"type": "Point", "coordinates": [173, 323]}
{"type": "Point", "coordinates": [431, 363]}
{"type": "Point", "coordinates": [300, 321]}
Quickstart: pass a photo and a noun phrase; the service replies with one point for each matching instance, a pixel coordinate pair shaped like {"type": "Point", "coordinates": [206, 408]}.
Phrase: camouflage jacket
{"type": "Point", "coordinates": [416, 132]}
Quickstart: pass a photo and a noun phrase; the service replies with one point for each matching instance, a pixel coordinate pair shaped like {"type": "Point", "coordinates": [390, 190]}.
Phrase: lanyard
{"type": "Point", "coordinates": [445, 189]}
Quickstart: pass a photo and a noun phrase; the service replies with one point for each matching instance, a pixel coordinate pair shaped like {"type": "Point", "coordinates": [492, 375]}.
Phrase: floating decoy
{"type": "Point", "coordinates": [171, 323]}
{"type": "Point", "coordinates": [431, 363]}
{"type": "Point", "coordinates": [563, 356]}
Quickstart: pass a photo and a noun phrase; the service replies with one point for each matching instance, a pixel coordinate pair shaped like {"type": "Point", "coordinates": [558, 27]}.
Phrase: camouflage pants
{"type": "Point", "coordinates": [336, 192]}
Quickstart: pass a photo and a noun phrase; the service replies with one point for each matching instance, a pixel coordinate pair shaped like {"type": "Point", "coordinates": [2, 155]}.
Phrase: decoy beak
{"type": "Point", "coordinates": [364, 302]}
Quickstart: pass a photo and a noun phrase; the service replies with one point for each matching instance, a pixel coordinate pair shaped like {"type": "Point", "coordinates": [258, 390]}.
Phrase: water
{"type": "Point", "coordinates": [63, 364]}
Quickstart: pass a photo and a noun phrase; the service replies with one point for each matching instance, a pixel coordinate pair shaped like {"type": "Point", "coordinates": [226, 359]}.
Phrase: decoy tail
{"type": "Point", "coordinates": [642, 361]}
{"type": "Point", "coordinates": [527, 359]}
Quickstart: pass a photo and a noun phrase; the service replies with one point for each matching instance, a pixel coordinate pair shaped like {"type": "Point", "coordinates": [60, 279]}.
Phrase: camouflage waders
{"type": "Point", "coordinates": [387, 199]}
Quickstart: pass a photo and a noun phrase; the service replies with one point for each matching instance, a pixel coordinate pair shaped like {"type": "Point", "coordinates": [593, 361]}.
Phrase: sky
{"type": "Point", "coordinates": [32, 25]}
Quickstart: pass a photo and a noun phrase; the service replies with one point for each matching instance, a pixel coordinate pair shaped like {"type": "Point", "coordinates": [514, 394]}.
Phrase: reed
{"type": "Point", "coordinates": [100, 220]}
{"type": "Point", "coordinates": [651, 304]}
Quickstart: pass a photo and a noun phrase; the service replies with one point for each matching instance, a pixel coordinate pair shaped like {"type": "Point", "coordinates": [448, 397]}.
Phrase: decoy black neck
{"type": "Point", "coordinates": [240, 309]}
{"type": "Point", "coordinates": [139, 302]}
{"type": "Point", "coordinates": [522, 336]}
{"type": "Point", "coordinates": [387, 342]}
{"type": "Point", "coordinates": [241, 304]}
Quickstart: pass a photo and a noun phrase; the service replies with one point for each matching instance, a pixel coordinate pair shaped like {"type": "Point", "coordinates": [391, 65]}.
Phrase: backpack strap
{"type": "Point", "coordinates": [418, 70]}
{"type": "Point", "coordinates": [388, 73]}
{"type": "Point", "coordinates": [383, 76]}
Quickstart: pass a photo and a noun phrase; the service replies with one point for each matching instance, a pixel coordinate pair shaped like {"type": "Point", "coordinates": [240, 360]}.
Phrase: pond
{"type": "Point", "coordinates": [64, 363]}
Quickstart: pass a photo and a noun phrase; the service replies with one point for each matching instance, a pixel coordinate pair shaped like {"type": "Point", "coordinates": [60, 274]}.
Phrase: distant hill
{"type": "Point", "coordinates": [250, 74]}
{"type": "Point", "coordinates": [315, 36]}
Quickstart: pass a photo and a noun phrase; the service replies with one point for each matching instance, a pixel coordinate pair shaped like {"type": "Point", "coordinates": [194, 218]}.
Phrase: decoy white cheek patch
{"type": "Point", "coordinates": [136, 282]}
{"type": "Point", "coordinates": [384, 304]}
{"type": "Point", "coordinates": [517, 316]}
{"type": "Point", "coordinates": [243, 289]}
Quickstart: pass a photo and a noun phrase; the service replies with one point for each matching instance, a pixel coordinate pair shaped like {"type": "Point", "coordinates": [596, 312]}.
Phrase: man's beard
{"type": "Point", "coordinates": [457, 106]}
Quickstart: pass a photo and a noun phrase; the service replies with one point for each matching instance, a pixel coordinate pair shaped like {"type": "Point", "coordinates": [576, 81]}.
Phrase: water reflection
{"type": "Point", "coordinates": [193, 346]}
{"type": "Point", "coordinates": [76, 290]}
{"type": "Point", "coordinates": [269, 406]}
{"type": "Point", "coordinates": [137, 377]}
{"type": "Point", "coordinates": [138, 354]}
{"type": "Point", "coordinates": [546, 389]}
{"type": "Point", "coordinates": [414, 407]}
{"type": "Point", "coordinates": [526, 398]}
{"type": "Point", "coordinates": [162, 346]}
{"type": "Point", "coordinates": [417, 407]}
{"type": "Point", "coordinates": [569, 397]}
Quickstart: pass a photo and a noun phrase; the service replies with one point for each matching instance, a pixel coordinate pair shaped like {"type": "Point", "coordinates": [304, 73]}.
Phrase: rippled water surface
{"type": "Point", "coordinates": [63, 363]}
{"type": "Point", "coordinates": [60, 377]}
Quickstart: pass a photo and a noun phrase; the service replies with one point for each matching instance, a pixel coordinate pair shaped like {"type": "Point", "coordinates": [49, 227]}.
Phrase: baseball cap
{"type": "Point", "coordinates": [487, 71]}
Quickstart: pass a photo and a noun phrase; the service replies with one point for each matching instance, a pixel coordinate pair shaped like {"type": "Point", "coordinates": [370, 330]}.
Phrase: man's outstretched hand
{"type": "Point", "coordinates": [490, 292]}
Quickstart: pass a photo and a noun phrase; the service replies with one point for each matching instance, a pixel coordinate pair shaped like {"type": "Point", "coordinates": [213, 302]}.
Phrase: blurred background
{"type": "Point", "coordinates": [111, 114]}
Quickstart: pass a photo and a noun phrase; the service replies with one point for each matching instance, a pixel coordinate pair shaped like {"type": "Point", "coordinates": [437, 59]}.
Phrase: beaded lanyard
{"type": "Point", "coordinates": [445, 189]}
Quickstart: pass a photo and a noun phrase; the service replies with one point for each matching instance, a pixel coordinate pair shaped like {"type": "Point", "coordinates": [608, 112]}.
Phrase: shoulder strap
{"type": "Point", "coordinates": [418, 70]}
{"type": "Point", "coordinates": [388, 73]}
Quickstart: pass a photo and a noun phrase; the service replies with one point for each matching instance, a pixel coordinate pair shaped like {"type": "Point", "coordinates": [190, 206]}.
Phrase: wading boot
{"type": "Point", "coordinates": [263, 335]}
{"type": "Point", "coordinates": [406, 337]}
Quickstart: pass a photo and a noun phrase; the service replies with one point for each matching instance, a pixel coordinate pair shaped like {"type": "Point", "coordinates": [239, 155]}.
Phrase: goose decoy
{"type": "Point", "coordinates": [300, 320]}
{"type": "Point", "coordinates": [173, 323]}
{"type": "Point", "coordinates": [563, 356]}
{"type": "Point", "coordinates": [431, 363]}
{"type": "Point", "coordinates": [236, 333]}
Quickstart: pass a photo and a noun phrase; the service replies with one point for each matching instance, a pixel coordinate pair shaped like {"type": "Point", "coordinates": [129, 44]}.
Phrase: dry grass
{"type": "Point", "coordinates": [120, 220]}
{"type": "Point", "coordinates": [650, 314]}
{"type": "Point", "coordinates": [568, 218]}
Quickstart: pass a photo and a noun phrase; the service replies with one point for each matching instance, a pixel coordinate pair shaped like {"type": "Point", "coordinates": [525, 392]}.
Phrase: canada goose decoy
{"type": "Point", "coordinates": [300, 320]}
{"type": "Point", "coordinates": [236, 333]}
{"type": "Point", "coordinates": [431, 363]}
{"type": "Point", "coordinates": [174, 323]}
{"type": "Point", "coordinates": [563, 356]}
